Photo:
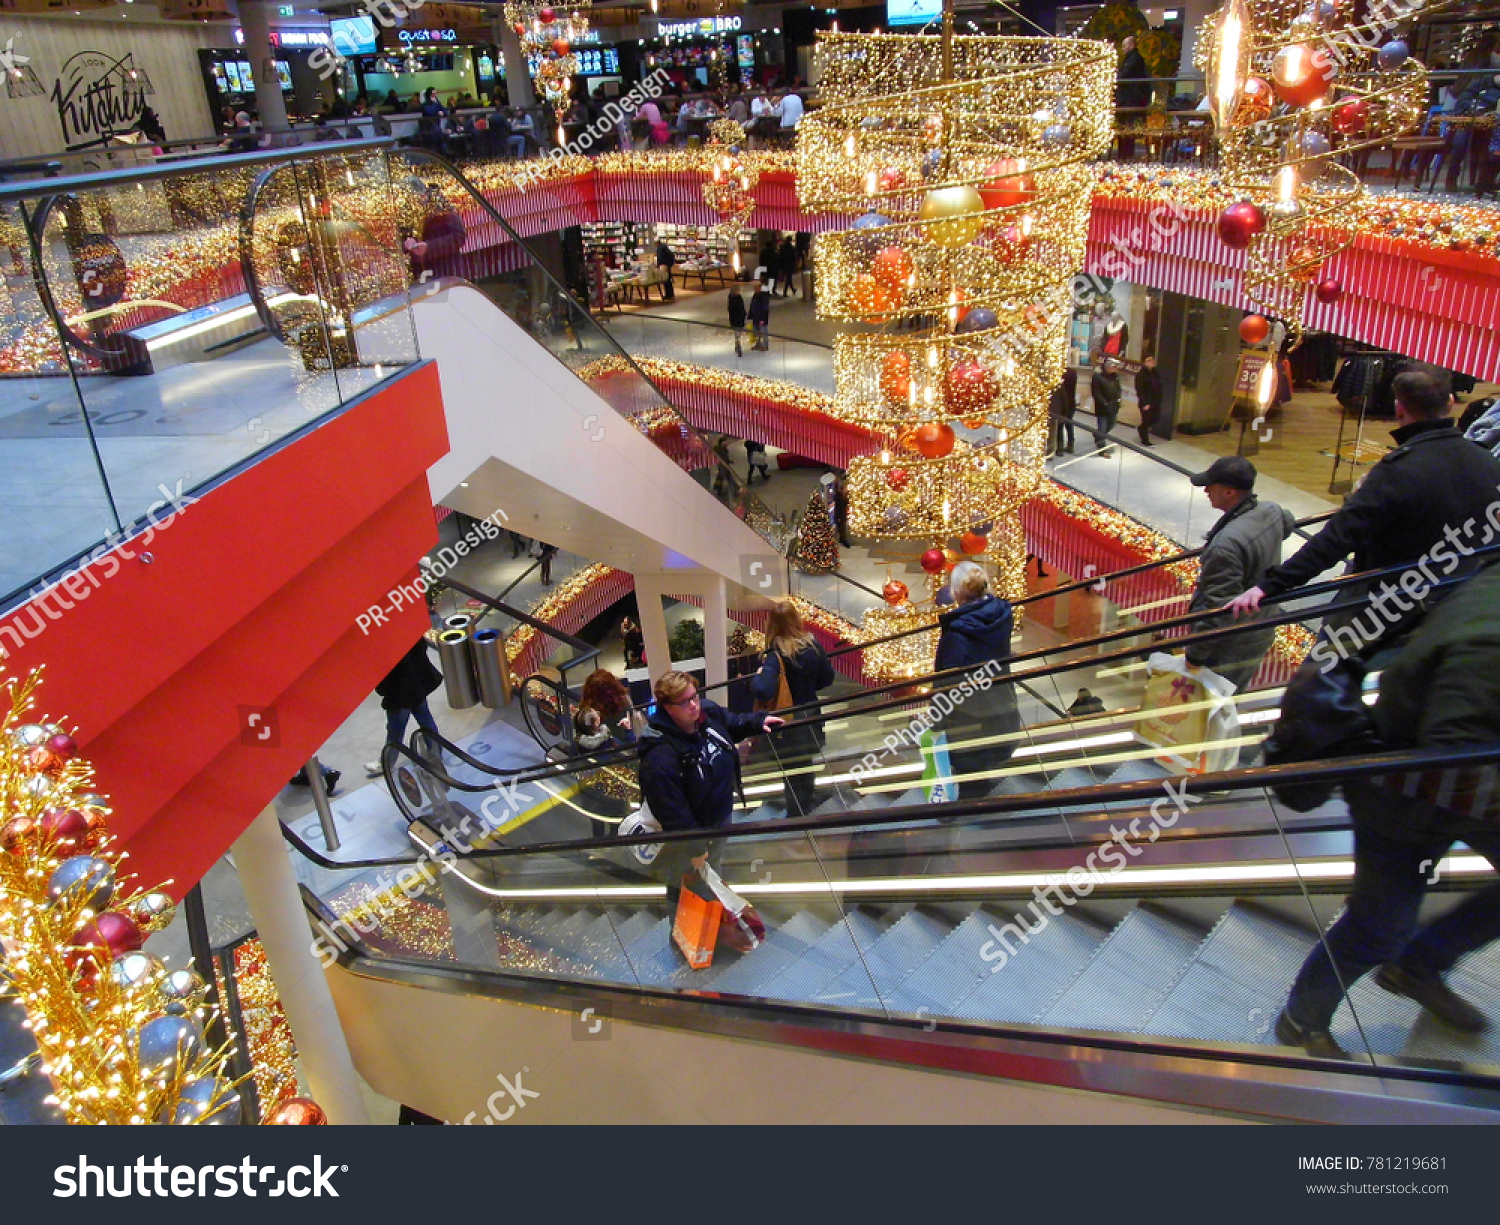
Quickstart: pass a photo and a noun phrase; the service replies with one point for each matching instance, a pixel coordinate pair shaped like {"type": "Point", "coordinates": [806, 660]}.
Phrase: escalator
{"type": "Point", "coordinates": [960, 935]}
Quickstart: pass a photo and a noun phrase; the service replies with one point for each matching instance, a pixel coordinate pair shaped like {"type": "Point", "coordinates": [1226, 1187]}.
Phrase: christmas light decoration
{"type": "Point", "coordinates": [964, 159]}
{"type": "Point", "coordinates": [1333, 90]}
{"type": "Point", "coordinates": [547, 37]}
{"type": "Point", "coordinates": [731, 181]}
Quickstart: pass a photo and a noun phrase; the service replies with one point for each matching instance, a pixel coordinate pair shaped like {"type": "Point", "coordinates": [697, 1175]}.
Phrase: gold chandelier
{"type": "Point", "coordinates": [964, 161]}
{"type": "Point", "coordinates": [1293, 86]}
{"type": "Point", "coordinates": [548, 33]}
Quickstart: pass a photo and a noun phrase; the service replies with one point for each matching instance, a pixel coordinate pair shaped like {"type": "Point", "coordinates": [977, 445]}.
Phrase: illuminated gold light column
{"type": "Point", "coordinates": [964, 160]}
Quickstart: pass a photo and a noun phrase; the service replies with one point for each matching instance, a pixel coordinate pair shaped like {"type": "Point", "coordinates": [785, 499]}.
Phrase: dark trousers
{"type": "Point", "coordinates": [1149, 414]}
{"type": "Point", "coordinates": [797, 749]}
{"type": "Point", "coordinates": [396, 720]}
{"type": "Point", "coordinates": [668, 290]}
{"type": "Point", "coordinates": [1379, 923]}
{"type": "Point", "coordinates": [1106, 423]}
{"type": "Point", "coordinates": [1062, 428]}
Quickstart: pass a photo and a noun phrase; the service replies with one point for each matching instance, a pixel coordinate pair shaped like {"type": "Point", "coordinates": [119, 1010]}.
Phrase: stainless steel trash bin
{"type": "Point", "coordinates": [489, 660]}
{"type": "Point", "coordinates": [457, 658]}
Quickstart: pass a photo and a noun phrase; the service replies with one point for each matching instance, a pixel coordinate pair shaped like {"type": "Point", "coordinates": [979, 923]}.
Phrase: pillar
{"type": "Point", "coordinates": [1193, 14]}
{"type": "Point", "coordinates": [517, 74]}
{"type": "Point", "coordinates": [649, 589]}
{"type": "Point", "coordinates": [255, 20]}
{"type": "Point", "coordinates": [265, 867]}
{"type": "Point", "coordinates": [716, 630]}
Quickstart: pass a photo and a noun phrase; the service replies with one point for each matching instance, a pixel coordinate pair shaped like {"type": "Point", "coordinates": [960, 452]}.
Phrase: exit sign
{"type": "Point", "coordinates": [286, 10]}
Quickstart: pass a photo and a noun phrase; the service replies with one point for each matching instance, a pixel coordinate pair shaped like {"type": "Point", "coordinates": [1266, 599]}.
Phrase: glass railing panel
{"type": "Point", "coordinates": [51, 486]}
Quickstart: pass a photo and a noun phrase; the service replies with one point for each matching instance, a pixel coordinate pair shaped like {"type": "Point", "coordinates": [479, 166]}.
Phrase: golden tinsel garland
{"type": "Point", "coordinates": [120, 1036]}
{"type": "Point", "coordinates": [264, 1028]}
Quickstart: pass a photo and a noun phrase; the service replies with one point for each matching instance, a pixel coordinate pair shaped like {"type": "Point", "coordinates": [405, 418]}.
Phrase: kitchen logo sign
{"type": "Point", "coordinates": [97, 96]}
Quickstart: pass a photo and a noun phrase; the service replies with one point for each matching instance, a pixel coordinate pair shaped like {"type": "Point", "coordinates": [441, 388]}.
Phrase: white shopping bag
{"type": "Point", "coordinates": [641, 821]}
{"type": "Point", "coordinates": [1190, 713]}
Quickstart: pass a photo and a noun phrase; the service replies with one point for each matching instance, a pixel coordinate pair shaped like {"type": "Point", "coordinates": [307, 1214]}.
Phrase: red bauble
{"type": "Point", "coordinates": [969, 388]}
{"type": "Point", "coordinates": [1239, 223]}
{"type": "Point", "coordinates": [1350, 116]}
{"type": "Point", "coordinates": [870, 300]}
{"type": "Point", "coordinates": [892, 178]}
{"type": "Point", "coordinates": [109, 935]}
{"type": "Point", "coordinates": [898, 479]}
{"type": "Point", "coordinates": [895, 593]}
{"type": "Point", "coordinates": [1254, 329]}
{"type": "Point", "coordinates": [560, 47]}
{"type": "Point", "coordinates": [1329, 291]}
{"type": "Point", "coordinates": [932, 439]}
{"type": "Point", "coordinates": [934, 561]}
{"type": "Point", "coordinates": [1006, 184]}
{"type": "Point", "coordinates": [892, 267]}
{"type": "Point", "coordinates": [297, 1112]}
{"type": "Point", "coordinates": [895, 377]}
{"type": "Point", "coordinates": [63, 825]}
{"type": "Point", "coordinates": [1301, 74]}
{"type": "Point", "coordinates": [64, 746]}
{"type": "Point", "coordinates": [547, 16]}
{"type": "Point", "coordinates": [1014, 245]}
{"type": "Point", "coordinates": [973, 542]}
{"type": "Point", "coordinates": [15, 833]}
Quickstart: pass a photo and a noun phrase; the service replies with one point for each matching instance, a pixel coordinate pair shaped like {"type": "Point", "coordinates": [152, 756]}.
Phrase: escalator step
{"type": "Point", "coordinates": [599, 950]}
{"type": "Point", "coordinates": [872, 801]}
{"type": "Point", "coordinates": [953, 971]}
{"type": "Point", "coordinates": [652, 956]}
{"type": "Point", "coordinates": [568, 938]}
{"type": "Point", "coordinates": [1237, 981]}
{"type": "Point", "coordinates": [1025, 982]}
{"type": "Point", "coordinates": [766, 812]}
{"type": "Point", "coordinates": [637, 925]}
{"type": "Point", "coordinates": [743, 975]}
{"type": "Point", "coordinates": [1140, 770]}
{"type": "Point", "coordinates": [836, 950]}
{"type": "Point", "coordinates": [1394, 1025]}
{"type": "Point", "coordinates": [1127, 977]}
{"type": "Point", "coordinates": [891, 960]}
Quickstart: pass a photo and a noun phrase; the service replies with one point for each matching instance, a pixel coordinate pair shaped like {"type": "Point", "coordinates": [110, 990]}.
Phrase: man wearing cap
{"type": "Point", "coordinates": [1240, 548]}
{"type": "Point", "coordinates": [1435, 484]}
{"type": "Point", "coordinates": [1106, 390]}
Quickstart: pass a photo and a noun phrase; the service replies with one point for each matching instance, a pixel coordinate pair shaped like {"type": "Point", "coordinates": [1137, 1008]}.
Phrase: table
{"type": "Point", "coordinates": [702, 272]}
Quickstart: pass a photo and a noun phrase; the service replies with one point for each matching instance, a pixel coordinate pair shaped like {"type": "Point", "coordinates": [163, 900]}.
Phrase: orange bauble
{"type": "Point", "coordinates": [933, 439]}
{"type": "Point", "coordinates": [895, 377]}
{"type": "Point", "coordinates": [1304, 262]}
{"type": "Point", "coordinates": [1254, 329]}
{"type": "Point", "coordinates": [975, 423]}
{"type": "Point", "coordinates": [973, 542]}
{"type": "Point", "coordinates": [892, 267]}
{"type": "Point", "coordinates": [560, 47]}
{"type": "Point", "coordinates": [1006, 184]}
{"type": "Point", "coordinates": [297, 1112]}
{"type": "Point", "coordinates": [895, 593]}
{"type": "Point", "coordinates": [870, 300]}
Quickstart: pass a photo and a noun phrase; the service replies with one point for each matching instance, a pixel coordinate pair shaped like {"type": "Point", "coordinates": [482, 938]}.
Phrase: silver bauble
{"type": "Point", "coordinates": [82, 881]}
{"type": "Point", "coordinates": [136, 971]}
{"type": "Point", "coordinates": [31, 735]}
{"type": "Point", "coordinates": [182, 991]}
{"type": "Point", "coordinates": [152, 911]}
{"type": "Point", "coordinates": [208, 1102]}
{"type": "Point", "coordinates": [169, 1046]}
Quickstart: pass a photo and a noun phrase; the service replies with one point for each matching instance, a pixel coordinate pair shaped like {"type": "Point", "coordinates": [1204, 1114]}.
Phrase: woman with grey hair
{"type": "Point", "coordinates": [976, 633]}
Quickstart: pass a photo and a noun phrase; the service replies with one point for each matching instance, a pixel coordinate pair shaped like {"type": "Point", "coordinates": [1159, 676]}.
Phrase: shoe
{"type": "Point", "coordinates": [1316, 1042]}
{"type": "Point", "coordinates": [373, 769]}
{"type": "Point", "coordinates": [1106, 453]}
{"type": "Point", "coordinates": [1435, 996]}
{"type": "Point", "coordinates": [331, 780]}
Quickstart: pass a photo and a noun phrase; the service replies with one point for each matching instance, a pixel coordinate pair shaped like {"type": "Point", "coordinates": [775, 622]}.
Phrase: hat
{"type": "Point", "coordinates": [1233, 470]}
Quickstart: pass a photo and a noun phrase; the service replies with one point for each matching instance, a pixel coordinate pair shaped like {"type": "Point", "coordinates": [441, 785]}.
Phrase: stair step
{"type": "Point", "coordinates": [1019, 986]}
{"type": "Point", "coordinates": [1237, 981]}
{"type": "Point", "coordinates": [1139, 770]}
{"type": "Point", "coordinates": [653, 957]}
{"type": "Point", "coordinates": [836, 950]}
{"type": "Point", "coordinates": [737, 974]}
{"type": "Point", "coordinates": [952, 972]}
{"type": "Point", "coordinates": [1128, 976]}
{"type": "Point", "coordinates": [889, 962]}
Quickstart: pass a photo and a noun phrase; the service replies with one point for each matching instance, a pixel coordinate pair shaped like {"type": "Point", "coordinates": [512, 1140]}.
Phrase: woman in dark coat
{"type": "Point", "coordinates": [786, 266]}
{"type": "Point", "coordinates": [974, 634]}
{"type": "Point", "coordinates": [791, 648]}
{"type": "Point", "coordinates": [1063, 405]}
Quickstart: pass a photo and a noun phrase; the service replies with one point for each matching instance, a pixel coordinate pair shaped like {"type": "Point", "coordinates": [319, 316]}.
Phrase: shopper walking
{"type": "Point", "coordinates": [666, 260]}
{"type": "Point", "coordinates": [755, 461]}
{"type": "Point", "coordinates": [737, 318]}
{"type": "Point", "coordinates": [403, 696]}
{"type": "Point", "coordinates": [1061, 407]}
{"type": "Point", "coordinates": [760, 317]}
{"type": "Point", "coordinates": [1148, 393]}
{"type": "Point", "coordinates": [792, 652]}
{"type": "Point", "coordinates": [1107, 392]}
{"type": "Point", "coordinates": [786, 266]}
{"type": "Point", "coordinates": [548, 552]}
{"type": "Point", "coordinates": [1241, 547]}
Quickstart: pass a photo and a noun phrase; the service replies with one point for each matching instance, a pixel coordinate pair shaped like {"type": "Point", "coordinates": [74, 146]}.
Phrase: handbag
{"type": "Point", "coordinates": [1323, 715]}
{"type": "Point", "coordinates": [783, 698]}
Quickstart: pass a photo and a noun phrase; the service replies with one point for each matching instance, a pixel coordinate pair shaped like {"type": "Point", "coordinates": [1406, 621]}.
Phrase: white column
{"type": "Point", "coordinates": [716, 630]}
{"type": "Point", "coordinates": [265, 867]}
{"type": "Point", "coordinates": [1193, 13]}
{"type": "Point", "coordinates": [648, 593]}
{"type": "Point", "coordinates": [256, 22]}
{"type": "Point", "coordinates": [518, 90]}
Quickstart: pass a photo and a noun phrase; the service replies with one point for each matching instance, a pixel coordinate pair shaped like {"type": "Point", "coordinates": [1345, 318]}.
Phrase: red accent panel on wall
{"type": "Point", "coordinates": [250, 605]}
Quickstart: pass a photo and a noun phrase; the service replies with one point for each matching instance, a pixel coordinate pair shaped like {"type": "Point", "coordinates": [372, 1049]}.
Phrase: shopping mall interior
{"type": "Point", "coordinates": [449, 396]}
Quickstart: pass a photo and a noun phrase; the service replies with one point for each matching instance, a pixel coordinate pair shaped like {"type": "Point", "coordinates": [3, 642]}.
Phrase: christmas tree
{"type": "Point", "coordinates": [817, 544]}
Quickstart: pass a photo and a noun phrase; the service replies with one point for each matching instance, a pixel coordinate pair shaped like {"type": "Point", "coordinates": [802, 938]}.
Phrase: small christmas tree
{"type": "Point", "coordinates": [817, 544]}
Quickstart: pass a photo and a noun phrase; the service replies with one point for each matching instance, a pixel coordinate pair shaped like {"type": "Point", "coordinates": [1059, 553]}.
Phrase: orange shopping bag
{"type": "Point", "coordinates": [696, 927]}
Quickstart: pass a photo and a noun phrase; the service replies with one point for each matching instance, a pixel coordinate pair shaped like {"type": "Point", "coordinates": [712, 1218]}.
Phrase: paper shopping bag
{"type": "Point", "coordinates": [1189, 712]}
{"type": "Point", "coordinates": [742, 928]}
{"type": "Point", "coordinates": [695, 930]}
{"type": "Point", "coordinates": [937, 772]}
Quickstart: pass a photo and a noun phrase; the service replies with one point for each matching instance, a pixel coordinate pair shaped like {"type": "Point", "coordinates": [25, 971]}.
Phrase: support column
{"type": "Point", "coordinates": [255, 20]}
{"type": "Point", "coordinates": [716, 630]}
{"type": "Point", "coordinates": [264, 862]}
{"type": "Point", "coordinates": [518, 90]}
{"type": "Point", "coordinates": [1193, 13]}
{"type": "Point", "coordinates": [648, 595]}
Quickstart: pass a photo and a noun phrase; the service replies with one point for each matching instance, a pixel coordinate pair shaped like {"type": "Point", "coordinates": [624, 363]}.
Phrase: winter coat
{"type": "Point", "coordinates": [1148, 387]}
{"type": "Point", "coordinates": [972, 635]}
{"type": "Point", "coordinates": [690, 781]}
{"type": "Point", "coordinates": [1064, 401]}
{"type": "Point", "coordinates": [1133, 81]}
{"type": "Point", "coordinates": [1106, 391]}
{"type": "Point", "coordinates": [1241, 547]}
{"type": "Point", "coordinates": [1435, 479]}
{"type": "Point", "coordinates": [1486, 429]}
{"type": "Point", "coordinates": [736, 309]}
{"type": "Point", "coordinates": [407, 685]}
{"type": "Point", "coordinates": [809, 670]}
{"type": "Point", "coordinates": [760, 307]}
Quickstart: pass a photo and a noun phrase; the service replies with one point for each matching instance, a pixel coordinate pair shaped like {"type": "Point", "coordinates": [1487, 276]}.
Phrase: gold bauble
{"type": "Point", "coordinates": [955, 214]}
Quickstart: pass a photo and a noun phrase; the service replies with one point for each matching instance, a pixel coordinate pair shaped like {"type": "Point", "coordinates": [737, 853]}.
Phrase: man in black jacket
{"type": "Point", "coordinates": [760, 316]}
{"type": "Point", "coordinates": [665, 259]}
{"type": "Point", "coordinates": [1106, 390]}
{"type": "Point", "coordinates": [1425, 504]}
{"type": "Point", "coordinates": [690, 772]}
{"type": "Point", "coordinates": [1132, 92]}
{"type": "Point", "coordinates": [737, 319]}
{"type": "Point", "coordinates": [1148, 397]}
{"type": "Point", "coordinates": [403, 696]}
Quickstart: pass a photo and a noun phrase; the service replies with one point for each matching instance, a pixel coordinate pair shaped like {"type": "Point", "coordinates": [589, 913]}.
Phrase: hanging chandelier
{"type": "Point", "coordinates": [547, 36]}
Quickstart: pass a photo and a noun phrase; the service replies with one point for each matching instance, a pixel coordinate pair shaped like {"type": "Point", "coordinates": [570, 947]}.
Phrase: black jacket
{"type": "Point", "coordinates": [1148, 387]}
{"type": "Point", "coordinates": [972, 635]}
{"type": "Point", "coordinates": [736, 309]}
{"type": "Point", "coordinates": [407, 685]}
{"type": "Point", "coordinates": [1106, 391]}
{"type": "Point", "coordinates": [1133, 81]}
{"type": "Point", "coordinates": [1435, 479]}
{"type": "Point", "coordinates": [760, 307]}
{"type": "Point", "coordinates": [807, 672]}
{"type": "Point", "coordinates": [1064, 401]}
{"type": "Point", "coordinates": [690, 782]}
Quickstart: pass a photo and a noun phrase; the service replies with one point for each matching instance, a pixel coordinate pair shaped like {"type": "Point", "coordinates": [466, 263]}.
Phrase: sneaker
{"type": "Point", "coordinates": [1316, 1042]}
{"type": "Point", "coordinates": [1435, 996]}
{"type": "Point", "coordinates": [373, 769]}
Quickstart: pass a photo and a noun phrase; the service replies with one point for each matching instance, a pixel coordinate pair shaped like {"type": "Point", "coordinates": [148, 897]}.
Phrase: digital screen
{"type": "Point", "coordinates": [746, 44]}
{"type": "Point", "coordinates": [232, 75]}
{"type": "Point", "coordinates": [284, 74]}
{"type": "Point", "coordinates": [486, 68]}
{"type": "Point", "coordinates": [352, 35]}
{"type": "Point", "coordinates": [912, 12]}
{"type": "Point", "coordinates": [247, 81]}
{"type": "Point", "coordinates": [217, 72]}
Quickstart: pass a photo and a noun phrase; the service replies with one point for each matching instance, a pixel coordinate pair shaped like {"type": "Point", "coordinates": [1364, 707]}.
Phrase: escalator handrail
{"type": "Point", "coordinates": [498, 605]}
{"type": "Point", "coordinates": [958, 812]}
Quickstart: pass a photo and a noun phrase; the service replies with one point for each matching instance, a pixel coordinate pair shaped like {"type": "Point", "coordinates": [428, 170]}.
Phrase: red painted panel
{"type": "Point", "coordinates": [251, 601]}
